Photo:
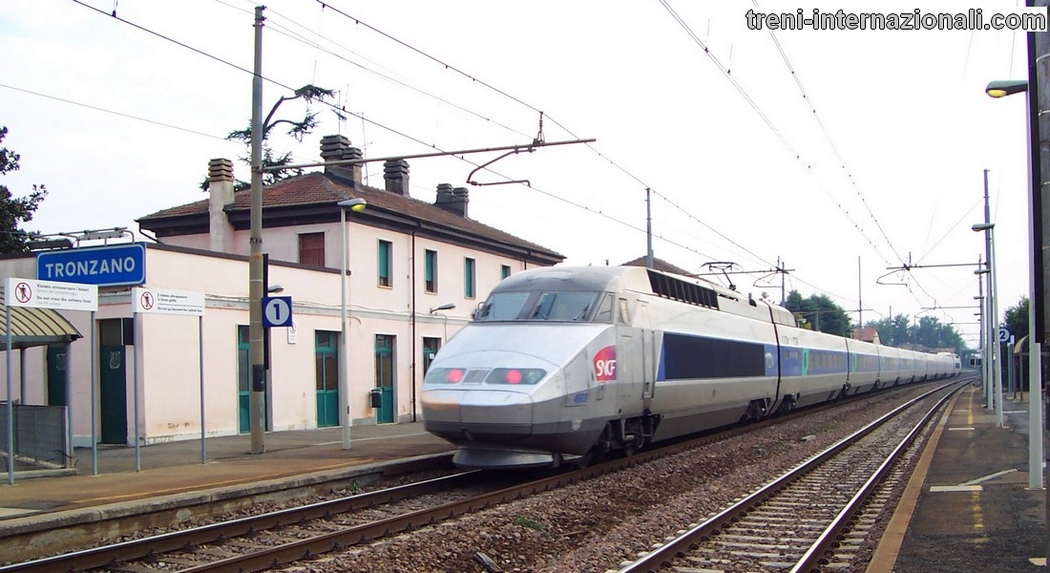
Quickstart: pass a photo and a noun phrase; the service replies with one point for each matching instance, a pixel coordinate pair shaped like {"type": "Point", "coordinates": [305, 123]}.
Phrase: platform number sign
{"type": "Point", "coordinates": [277, 311]}
{"type": "Point", "coordinates": [1004, 335]}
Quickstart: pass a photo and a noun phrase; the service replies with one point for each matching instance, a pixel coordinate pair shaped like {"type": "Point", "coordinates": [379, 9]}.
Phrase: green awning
{"type": "Point", "coordinates": [34, 327]}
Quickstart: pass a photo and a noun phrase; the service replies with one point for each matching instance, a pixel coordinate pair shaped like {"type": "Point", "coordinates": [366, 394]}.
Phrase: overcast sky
{"type": "Point", "coordinates": [840, 153]}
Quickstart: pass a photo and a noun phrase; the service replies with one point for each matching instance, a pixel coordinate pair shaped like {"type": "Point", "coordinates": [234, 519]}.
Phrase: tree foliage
{"type": "Point", "coordinates": [818, 312]}
{"type": "Point", "coordinates": [14, 211]}
{"type": "Point", "coordinates": [1016, 318]}
{"type": "Point", "coordinates": [893, 331]}
{"type": "Point", "coordinates": [928, 334]}
{"type": "Point", "coordinates": [296, 129]}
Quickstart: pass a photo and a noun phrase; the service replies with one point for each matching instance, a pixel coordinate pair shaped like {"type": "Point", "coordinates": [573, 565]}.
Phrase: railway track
{"type": "Point", "coordinates": [270, 540]}
{"type": "Point", "coordinates": [812, 518]}
{"type": "Point", "coordinates": [333, 523]}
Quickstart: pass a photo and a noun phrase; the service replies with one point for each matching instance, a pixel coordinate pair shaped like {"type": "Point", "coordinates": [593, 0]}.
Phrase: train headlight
{"type": "Point", "coordinates": [519, 376]}
{"type": "Point", "coordinates": [445, 376]}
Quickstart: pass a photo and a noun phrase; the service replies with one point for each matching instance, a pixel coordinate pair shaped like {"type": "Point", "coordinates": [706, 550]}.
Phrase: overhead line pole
{"type": "Point", "coordinates": [257, 398]}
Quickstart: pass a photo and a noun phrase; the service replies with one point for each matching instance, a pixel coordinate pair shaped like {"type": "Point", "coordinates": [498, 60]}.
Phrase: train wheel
{"type": "Point", "coordinates": [786, 406]}
{"type": "Point", "coordinates": [632, 444]}
{"type": "Point", "coordinates": [629, 450]}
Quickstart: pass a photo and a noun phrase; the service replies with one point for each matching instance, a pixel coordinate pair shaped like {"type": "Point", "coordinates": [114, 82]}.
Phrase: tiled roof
{"type": "Point", "coordinates": [659, 265]}
{"type": "Point", "coordinates": [319, 189]}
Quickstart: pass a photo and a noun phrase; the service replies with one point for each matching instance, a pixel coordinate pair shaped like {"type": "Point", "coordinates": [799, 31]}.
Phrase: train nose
{"type": "Point", "coordinates": [478, 416]}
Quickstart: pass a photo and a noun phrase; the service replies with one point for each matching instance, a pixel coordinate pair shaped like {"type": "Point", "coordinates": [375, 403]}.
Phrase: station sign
{"type": "Point", "coordinates": [49, 294]}
{"type": "Point", "coordinates": [114, 265]}
{"type": "Point", "coordinates": [277, 312]}
{"type": "Point", "coordinates": [163, 301]}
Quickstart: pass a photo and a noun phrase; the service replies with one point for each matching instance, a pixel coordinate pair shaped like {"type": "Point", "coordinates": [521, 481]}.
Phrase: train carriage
{"type": "Point", "coordinates": [865, 371]}
{"type": "Point", "coordinates": [561, 364]}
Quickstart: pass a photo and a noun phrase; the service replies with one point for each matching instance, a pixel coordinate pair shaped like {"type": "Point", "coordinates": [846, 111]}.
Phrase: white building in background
{"type": "Point", "coordinates": [406, 258]}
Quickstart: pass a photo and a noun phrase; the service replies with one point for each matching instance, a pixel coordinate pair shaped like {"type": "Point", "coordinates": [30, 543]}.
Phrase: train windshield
{"type": "Point", "coordinates": [502, 306]}
{"type": "Point", "coordinates": [562, 306]}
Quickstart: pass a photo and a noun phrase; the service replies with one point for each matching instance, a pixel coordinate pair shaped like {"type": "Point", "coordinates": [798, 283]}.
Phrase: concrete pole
{"type": "Point", "coordinates": [993, 326]}
{"type": "Point", "coordinates": [1037, 98]}
{"type": "Point", "coordinates": [1035, 282]}
{"type": "Point", "coordinates": [990, 334]}
{"type": "Point", "coordinates": [257, 400]}
{"type": "Point", "coordinates": [982, 343]}
{"type": "Point", "coordinates": [648, 229]}
{"type": "Point", "coordinates": [344, 347]}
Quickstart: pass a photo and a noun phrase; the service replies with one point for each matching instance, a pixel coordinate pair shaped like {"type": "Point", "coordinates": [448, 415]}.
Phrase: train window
{"type": "Point", "coordinates": [564, 306]}
{"type": "Point", "coordinates": [624, 317]}
{"type": "Point", "coordinates": [502, 306]}
{"type": "Point", "coordinates": [605, 309]}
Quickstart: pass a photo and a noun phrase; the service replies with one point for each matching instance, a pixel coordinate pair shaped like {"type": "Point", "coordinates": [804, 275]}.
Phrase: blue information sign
{"type": "Point", "coordinates": [277, 311]}
{"type": "Point", "coordinates": [114, 265]}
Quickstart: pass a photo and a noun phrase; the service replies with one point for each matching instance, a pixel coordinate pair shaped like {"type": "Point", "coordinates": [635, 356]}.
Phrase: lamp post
{"type": "Point", "coordinates": [993, 322]}
{"type": "Point", "coordinates": [998, 89]}
{"type": "Point", "coordinates": [344, 347]}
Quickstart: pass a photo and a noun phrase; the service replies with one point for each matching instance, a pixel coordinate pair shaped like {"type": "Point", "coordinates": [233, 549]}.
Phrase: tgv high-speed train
{"type": "Point", "coordinates": [562, 364]}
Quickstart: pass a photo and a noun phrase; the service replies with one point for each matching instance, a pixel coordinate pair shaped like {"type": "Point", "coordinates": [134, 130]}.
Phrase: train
{"type": "Point", "coordinates": [565, 365]}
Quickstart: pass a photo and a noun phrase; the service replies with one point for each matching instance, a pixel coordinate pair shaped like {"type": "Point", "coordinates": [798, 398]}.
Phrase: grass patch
{"type": "Point", "coordinates": [530, 523]}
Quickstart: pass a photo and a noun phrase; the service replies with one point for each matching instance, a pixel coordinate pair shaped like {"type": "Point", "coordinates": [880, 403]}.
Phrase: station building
{"type": "Point", "coordinates": [416, 272]}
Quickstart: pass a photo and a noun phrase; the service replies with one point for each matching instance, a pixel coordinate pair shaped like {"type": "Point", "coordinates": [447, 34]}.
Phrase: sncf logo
{"type": "Point", "coordinates": [605, 364]}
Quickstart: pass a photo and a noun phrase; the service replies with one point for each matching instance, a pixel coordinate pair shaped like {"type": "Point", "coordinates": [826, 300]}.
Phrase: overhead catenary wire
{"type": "Point", "coordinates": [765, 118]}
{"type": "Point", "coordinates": [113, 112]}
{"type": "Point", "coordinates": [478, 81]}
{"type": "Point", "coordinates": [418, 141]}
{"type": "Point", "coordinates": [827, 136]}
{"type": "Point", "coordinates": [396, 132]}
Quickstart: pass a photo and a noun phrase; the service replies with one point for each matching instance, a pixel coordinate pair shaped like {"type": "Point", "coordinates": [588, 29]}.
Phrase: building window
{"type": "Point", "coordinates": [469, 286]}
{"type": "Point", "coordinates": [311, 249]}
{"type": "Point", "coordinates": [385, 274]}
{"type": "Point", "coordinates": [431, 272]}
{"type": "Point", "coordinates": [504, 271]}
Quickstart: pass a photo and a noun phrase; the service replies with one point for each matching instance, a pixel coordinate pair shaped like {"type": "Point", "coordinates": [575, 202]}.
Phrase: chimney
{"type": "Point", "coordinates": [220, 194]}
{"type": "Point", "coordinates": [337, 148]}
{"type": "Point", "coordinates": [452, 200]}
{"type": "Point", "coordinates": [395, 172]}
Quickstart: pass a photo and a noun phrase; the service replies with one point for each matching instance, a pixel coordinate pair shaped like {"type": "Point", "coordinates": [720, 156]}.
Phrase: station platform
{"type": "Point", "coordinates": [172, 470]}
{"type": "Point", "coordinates": [967, 507]}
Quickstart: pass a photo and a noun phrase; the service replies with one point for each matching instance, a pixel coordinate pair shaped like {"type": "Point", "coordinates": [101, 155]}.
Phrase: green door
{"type": "Point", "coordinates": [56, 375]}
{"type": "Point", "coordinates": [244, 420]}
{"type": "Point", "coordinates": [113, 383]}
{"type": "Point", "coordinates": [385, 377]}
{"type": "Point", "coordinates": [244, 385]}
{"type": "Point", "coordinates": [113, 394]}
{"type": "Point", "coordinates": [326, 349]}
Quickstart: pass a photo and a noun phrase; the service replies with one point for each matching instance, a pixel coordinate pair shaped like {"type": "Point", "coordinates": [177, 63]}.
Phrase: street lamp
{"type": "Point", "coordinates": [446, 306]}
{"type": "Point", "coordinates": [998, 89]}
{"type": "Point", "coordinates": [1003, 88]}
{"type": "Point", "coordinates": [344, 371]}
